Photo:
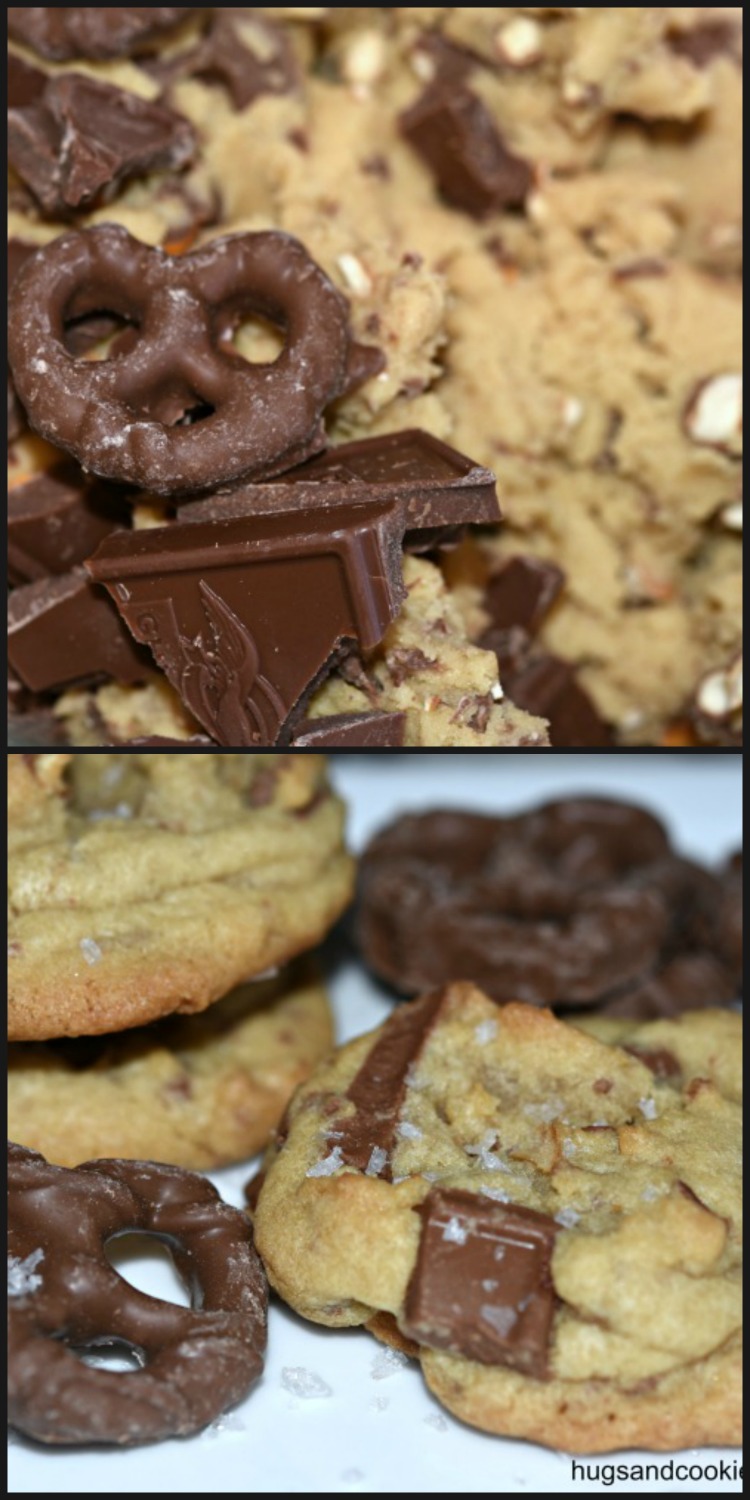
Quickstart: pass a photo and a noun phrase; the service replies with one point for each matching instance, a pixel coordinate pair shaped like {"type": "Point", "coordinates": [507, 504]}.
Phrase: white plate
{"type": "Point", "coordinates": [375, 1429]}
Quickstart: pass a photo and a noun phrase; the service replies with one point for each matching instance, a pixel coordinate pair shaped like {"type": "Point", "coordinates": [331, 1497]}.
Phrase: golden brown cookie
{"type": "Point", "coordinates": [141, 885]}
{"type": "Point", "coordinates": [195, 1091]}
{"type": "Point", "coordinates": [552, 1220]}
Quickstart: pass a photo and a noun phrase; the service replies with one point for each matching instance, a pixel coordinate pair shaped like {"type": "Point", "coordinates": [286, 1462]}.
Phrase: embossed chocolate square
{"type": "Point", "coordinates": [482, 1285]}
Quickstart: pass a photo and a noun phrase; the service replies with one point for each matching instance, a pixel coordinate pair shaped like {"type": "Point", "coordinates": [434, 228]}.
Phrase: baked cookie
{"type": "Point", "coordinates": [550, 1220]}
{"type": "Point", "coordinates": [197, 1091]}
{"type": "Point", "coordinates": [578, 902]}
{"type": "Point", "coordinates": [141, 885]}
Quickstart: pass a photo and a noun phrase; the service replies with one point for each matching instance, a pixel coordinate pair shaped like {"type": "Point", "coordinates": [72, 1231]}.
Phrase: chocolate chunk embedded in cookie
{"type": "Point", "coordinates": [551, 1219]}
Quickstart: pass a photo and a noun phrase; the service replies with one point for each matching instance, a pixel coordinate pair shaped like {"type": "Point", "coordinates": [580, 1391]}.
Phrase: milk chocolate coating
{"type": "Point", "coordinates": [482, 1285]}
{"type": "Point", "coordinates": [56, 520]}
{"type": "Point", "coordinates": [18, 254]}
{"type": "Point", "coordinates": [91, 30]}
{"type": "Point", "coordinates": [81, 136]}
{"type": "Point", "coordinates": [581, 902]}
{"type": "Point", "coordinates": [65, 629]}
{"type": "Point", "coordinates": [455, 134]}
{"type": "Point", "coordinates": [194, 1362]}
{"type": "Point", "coordinates": [379, 1088]}
{"type": "Point", "coordinates": [178, 411]}
{"type": "Point", "coordinates": [376, 730]}
{"type": "Point", "coordinates": [212, 598]}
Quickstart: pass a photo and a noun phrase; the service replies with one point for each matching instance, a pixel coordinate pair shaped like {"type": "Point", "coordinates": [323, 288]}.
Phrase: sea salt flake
{"type": "Point", "coordinates": [569, 1149]}
{"type": "Point", "coordinates": [327, 1166]}
{"type": "Point", "coordinates": [503, 1319]}
{"type": "Point", "coordinates": [439, 1423]}
{"type": "Point", "coordinates": [90, 950]}
{"type": "Point", "coordinates": [486, 1155]}
{"type": "Point", "coordinates": [304, 1383]}
{"type": "Point", "coordinates": [650, 1193]}
{"type": "Point", "coordinates": [408, 1132]}
{"type": "Point", "coordinates": [455, 1232]}
{"type": "Point", "coordinates": [546, 1111]}
{"type": "Point", "coordinates": [378, 1159]}
{"type": "Point", "coordinates": [380, 1403]}
{"type": "Point", "coordinates": [388, 1362]}
{"type": "Point", "coordinates": [22, 1274]}
{"type": "Point", "coordinates": [567, 1217]}
{"type": "Point", "coordinates": [485, 1032]}
{"type": "Point", "coordinates": [647, 1108]}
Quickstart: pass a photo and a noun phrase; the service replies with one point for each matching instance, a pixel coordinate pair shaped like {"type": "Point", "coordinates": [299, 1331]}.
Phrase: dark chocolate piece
{"type": "Point", "coordinates": [58, 519]}
{"type": "Point", "coordinates": [369, 730]}
{"type": "Point", "coordinates": [190, 1363]}
{"type": "Point", "coordinates": [82, 137]}
{"type": "Point", "coordinates": [364, 361]}
{"type": "Point", "coordinates": [519, 598]}
{"type": "Point", "coordinates": [91, 30]}
{"type": "Point", "coordinates": [456, 136]}
{"type": "Point", "coordinates": [436, 485]}
{"type": "Point", "coordinates": [249, 55]}
{"type": "Point", "coordinates": [25, 83]}
{"type": "Point", "coordinates": [178, 411]}
{"type": "Point", "coordinates": [379, 1088]}
{"type": "Point", "coordinates": [212, 598]}
{"type": "Point", "coordinates": [482, 1285]}
{"type": "Point", "coordinates": [708, 40]}
{"type": "Point", "coordinates": [522, 593]}
{"type": "Point", "coordinates": [64, 630]}
{"type": "Point", "coordinates": [577, 902]}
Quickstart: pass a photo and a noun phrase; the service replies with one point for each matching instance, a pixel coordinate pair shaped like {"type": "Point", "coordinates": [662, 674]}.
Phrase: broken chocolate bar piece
{"type": "Point", "coordinates": [58, 519]}
{"type": "Point", "coordinates": [246, 607]}
{"type": "Point", "coordinates": [379, 731]}
{"type": "Point", "coordinates": [64, 630]}
{"type": "Point", "coordinates": [523, 593]}
{"type": "Point", "coordinates": [455, 134]}
{"type": "Point", "coordinates": [25, 83]}
{"type": "Point", "coordinates": [379, 1088]}
{"type": "Point", "coordinates": [248, 54]}
{"type": "Point", "coordinates": [80, 137]}
{"type": "Point", "coordinates": [482, 1286]}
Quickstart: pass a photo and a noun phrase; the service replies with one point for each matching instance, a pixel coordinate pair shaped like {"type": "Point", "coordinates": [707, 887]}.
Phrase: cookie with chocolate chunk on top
{"type": "Point", "coordinates": [549, 1222]}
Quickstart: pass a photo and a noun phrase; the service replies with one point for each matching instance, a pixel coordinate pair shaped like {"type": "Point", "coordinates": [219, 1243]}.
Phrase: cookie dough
{"type": "Point", "coordinates": [196, 1091]}
{"type": "Point", "coordinates": [553, 1221]}
{"type": "Point", "coordinates": [142, 885]}
{"type": "Point", "coordinates": [584, 343]}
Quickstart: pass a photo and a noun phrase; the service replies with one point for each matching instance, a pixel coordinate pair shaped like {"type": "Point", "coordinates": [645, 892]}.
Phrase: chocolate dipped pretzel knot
{"type": "Point", "coordinates": [174, 408]}
{"type": "Point", "coordinates": [63, 1295]}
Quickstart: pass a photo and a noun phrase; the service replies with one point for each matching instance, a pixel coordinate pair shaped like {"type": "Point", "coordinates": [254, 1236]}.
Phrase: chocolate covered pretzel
{"type": "Point", "coordinates": [175, 409]}
{"type": "Point", "coordinates": [580, 902]}
{"type": "Point", "coordinates": [64, 1296]}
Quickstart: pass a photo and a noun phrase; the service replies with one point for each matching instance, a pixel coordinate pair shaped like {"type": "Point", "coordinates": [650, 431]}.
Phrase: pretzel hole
{"type": "Point", "coordinates": [256, 339]}
{"type": "Point", "coordinates": [117, 1355]}
{"type": "Point", "coordinates": [145, 1262]}
{"type": "Point", "coordinates": [98, 335]}
{"type": "Point", "coordinates": [193, 414]}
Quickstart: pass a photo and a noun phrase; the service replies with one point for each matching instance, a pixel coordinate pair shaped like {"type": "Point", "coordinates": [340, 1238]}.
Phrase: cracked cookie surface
{"type": "Point", "coordinates": [142, 885]}
{"type": "Point", "coordinates": [458, 1126]}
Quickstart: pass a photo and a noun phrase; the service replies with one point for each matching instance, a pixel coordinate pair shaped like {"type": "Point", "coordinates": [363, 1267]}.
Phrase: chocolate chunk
{"type": "Point", "coordinates": [482, 1285]}
{"type": "Point", "coordinates": [441, 60]}
{"type": "Point", "coordinates": [456, 136]}
{"type": "Point", "coordinates": [212, 598]}
{"type": "Point", "coordinates": [25, 83]}
{"type": "Point", "coordinates": [708, 40]}
{"type": "Point", "coordinates": [82, 136]}
{"type": "Point", "coordinates": [364, 361]}
{"type": "Point", "coordinates": [56, 520]}
{"type": "Point", "coordinates": [248, 54]}
{"type": "Point", "coordinates": [91, 30]}
{"type": "Point", "coordinates": [523, 592]}
{"type": "Point", "coordinates": [519, 598]}
{"type": "Point", "coordinates": [379, 1088]}
{"type": "Point", "coordinates": [63, 630]}
{"type": "Point", "coordinates": [369, 730]}
{"type": "Point", "coordinates": [660, 1060]}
